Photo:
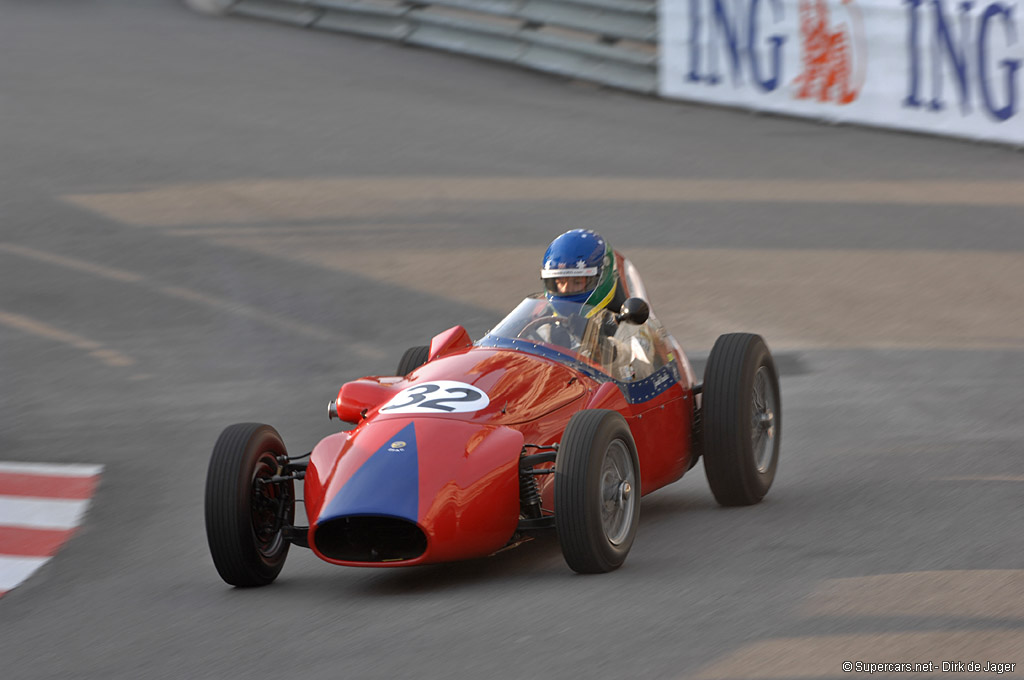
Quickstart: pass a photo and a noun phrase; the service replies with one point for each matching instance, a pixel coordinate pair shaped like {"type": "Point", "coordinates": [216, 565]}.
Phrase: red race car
{"type": "Point", "coordinates": [560, 418]}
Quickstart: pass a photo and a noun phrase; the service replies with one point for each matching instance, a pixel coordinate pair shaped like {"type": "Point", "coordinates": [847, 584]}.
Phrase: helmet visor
{"type": "Point", "coordinates": [562, 286]}
{"type": "Point", "coordinates": [565, 281]}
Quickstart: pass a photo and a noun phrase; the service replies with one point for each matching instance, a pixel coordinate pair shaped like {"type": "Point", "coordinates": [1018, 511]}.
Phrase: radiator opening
{"type": "Point", "coordinates": [370, 539]}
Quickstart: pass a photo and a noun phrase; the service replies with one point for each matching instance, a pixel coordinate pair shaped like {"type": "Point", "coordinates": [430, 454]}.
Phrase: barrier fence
{"type": "Point", "coordinates": [948, 67]}
{"type": "Point", "coordinates": [613, 42]}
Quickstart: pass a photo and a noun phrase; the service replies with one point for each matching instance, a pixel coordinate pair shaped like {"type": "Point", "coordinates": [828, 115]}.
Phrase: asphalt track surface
{"type": "Point", "coordinates": [207, 221]}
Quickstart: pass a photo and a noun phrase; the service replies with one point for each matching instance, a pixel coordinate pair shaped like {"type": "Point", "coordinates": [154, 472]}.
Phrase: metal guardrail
{"type": "Point", "coordinates": [612, 42]}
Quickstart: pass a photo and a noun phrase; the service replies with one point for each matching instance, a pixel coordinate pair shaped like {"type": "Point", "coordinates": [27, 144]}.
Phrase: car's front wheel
{"type": "Point", "coordinates": [413, 358]}
{"type": "Point", "coordinates": [245, 511]}
{"type": "Point", "coordinates": [597, 491]}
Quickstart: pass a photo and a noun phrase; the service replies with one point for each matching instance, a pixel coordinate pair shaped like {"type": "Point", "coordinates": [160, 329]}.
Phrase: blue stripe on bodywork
{"type": "Point", "coordinates": [387, 483]}
{"type": "Point", "coordinates": [644, 390]}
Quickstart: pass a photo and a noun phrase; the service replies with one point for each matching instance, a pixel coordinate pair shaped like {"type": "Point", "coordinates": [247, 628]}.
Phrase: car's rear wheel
{"type": "Point", "coordinates": [245, 512]}
{"type": "Point", "coordinates": [413, 358]}
{"type": "Point", "coordinates": [741, 418]}
{"type": "Point", "coordinates": [597, 491]}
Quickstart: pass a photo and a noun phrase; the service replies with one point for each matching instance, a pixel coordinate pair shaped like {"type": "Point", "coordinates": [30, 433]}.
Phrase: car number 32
{"type": "Point", "coordinates": [439, 396]}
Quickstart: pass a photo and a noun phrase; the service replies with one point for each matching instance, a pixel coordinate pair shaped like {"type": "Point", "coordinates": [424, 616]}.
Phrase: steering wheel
{"type": "Point", "coordinates": [531, 331]}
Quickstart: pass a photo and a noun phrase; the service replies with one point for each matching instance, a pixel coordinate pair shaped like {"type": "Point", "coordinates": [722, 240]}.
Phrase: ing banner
{"type": "Point", "coordinates": [950, 68]}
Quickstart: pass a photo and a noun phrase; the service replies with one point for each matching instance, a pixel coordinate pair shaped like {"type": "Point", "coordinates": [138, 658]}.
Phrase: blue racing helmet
{"type": "Point", "coordinates": [579, 266]}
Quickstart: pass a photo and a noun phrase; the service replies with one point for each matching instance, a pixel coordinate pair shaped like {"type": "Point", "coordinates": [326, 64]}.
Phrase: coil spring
{"type": "Point", "coordinates": [529, 494]}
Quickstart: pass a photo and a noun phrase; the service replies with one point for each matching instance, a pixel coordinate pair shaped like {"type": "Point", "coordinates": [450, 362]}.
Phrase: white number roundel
{"type": "Point", "coordinates": [437, 396]}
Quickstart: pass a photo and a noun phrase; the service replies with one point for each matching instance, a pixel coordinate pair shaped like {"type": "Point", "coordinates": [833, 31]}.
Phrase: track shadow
{"type": "Point", "coordinates": [539, 558]}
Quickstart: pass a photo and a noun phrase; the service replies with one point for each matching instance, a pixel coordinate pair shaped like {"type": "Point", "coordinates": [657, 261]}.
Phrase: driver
{"type": "Point", "coordinates": [579, 266]}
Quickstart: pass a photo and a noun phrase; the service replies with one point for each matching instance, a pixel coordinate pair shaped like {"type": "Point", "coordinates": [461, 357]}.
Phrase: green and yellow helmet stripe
{"type": "Point", "coordinates": [605, 290]}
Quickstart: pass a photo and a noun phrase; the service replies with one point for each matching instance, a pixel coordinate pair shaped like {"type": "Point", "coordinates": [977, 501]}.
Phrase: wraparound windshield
{"type": "Point", "coordinates": [573, 332]}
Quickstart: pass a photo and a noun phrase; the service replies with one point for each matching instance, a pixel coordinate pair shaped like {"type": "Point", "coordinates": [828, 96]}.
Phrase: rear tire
{"type": "Point", "coordinates": [742, 419]}
{"type": "Point", "coordinates": [413, 358]}
{"type": "Point", "coordinates": [597, 491]}
{"type": "Point", "coordinates": [244, 519]}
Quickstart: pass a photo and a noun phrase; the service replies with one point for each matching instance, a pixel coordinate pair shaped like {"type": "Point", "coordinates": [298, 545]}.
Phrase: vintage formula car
{"type": "Point", "coordinates": [560, 418]}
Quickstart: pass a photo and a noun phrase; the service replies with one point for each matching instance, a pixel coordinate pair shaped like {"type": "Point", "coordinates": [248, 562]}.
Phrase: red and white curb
{"type": "Point", "coordinates": [41, 505]}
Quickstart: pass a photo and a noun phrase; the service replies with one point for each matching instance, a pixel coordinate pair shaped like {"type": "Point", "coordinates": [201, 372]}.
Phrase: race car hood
{"type": "Point", "coordinates": [413, 490]}
{"type": "Point", "coordinates": [514, 387]}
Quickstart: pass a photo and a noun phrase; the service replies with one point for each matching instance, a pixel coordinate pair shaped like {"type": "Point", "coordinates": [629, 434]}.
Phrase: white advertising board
{"type": "Point", "coordinates": [938, 66]}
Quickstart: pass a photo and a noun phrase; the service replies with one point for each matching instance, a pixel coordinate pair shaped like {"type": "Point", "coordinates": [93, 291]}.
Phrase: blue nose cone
{"type": "Point", "coordinates": [387, 484]}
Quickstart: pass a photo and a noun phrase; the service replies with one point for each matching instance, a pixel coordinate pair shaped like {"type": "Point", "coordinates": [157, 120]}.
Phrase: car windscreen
{"type": "Point", "coordinates": [581, 335]}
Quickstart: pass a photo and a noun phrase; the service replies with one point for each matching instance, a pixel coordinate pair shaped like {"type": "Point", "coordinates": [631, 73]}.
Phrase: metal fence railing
{"type": "Point", "coordinates": [612, 42]}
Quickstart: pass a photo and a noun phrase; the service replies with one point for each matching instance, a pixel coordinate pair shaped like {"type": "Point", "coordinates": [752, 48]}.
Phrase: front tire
{"type": "Point", "coordinates": [597, 491]}
{"type": "Point", "coordinates": [413, 358]}
{"type": "Point", "coordinates": [244, 517]}
{"type": "Point", "coordinates": [742, 419]}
